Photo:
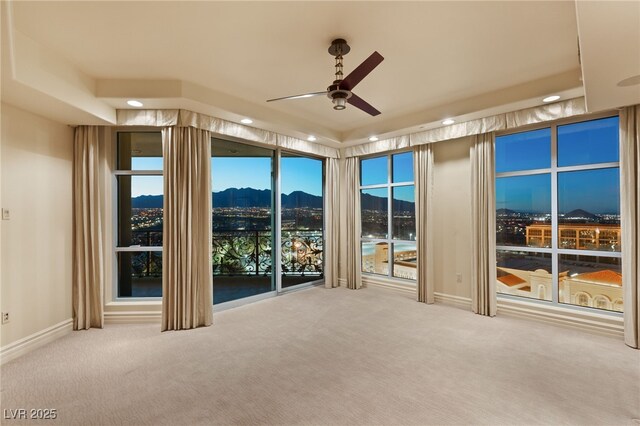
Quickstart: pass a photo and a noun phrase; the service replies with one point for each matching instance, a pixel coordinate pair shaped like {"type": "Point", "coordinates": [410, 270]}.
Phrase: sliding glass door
{"type": "Point", "coordinates": [301, 219]}
{"type": "Point", "coordinates": [243, 220]}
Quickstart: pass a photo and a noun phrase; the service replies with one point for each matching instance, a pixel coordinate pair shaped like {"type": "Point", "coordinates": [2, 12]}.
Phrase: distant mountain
{"type": "Point", "coordinates": [580, 214]}
{"type": "Point", "coordinates": [301, 199]}
{"type": "Point", "coordinates": [147, 202]}
{"type": "Point", "coordinates": [249, 197]}
{"type": "Point", "coordinates": [240, 197]}
{"type": "Point", "coordinates": [506, 212]}
{"type": "Point", "coordinates": [371, 202]}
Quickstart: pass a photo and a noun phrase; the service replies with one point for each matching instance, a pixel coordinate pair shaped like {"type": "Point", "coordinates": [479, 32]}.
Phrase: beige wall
{"type": "Point", "coordinates": [36, 167]}
{"type": "Point", "coordinates": [452, 217]}
{"type": "Point", "coordinates": [452, 220]}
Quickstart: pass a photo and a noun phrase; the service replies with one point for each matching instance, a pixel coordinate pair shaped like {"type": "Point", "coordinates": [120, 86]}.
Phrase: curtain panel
{"type": "Point", "coordinates": [483, 225]}
{"type": "Point", "coordinates": [353, 232]}
{"type": "Point", "coordinates": [331, 222]}
{"type": "Point", "coordinates": [88, 252]}
{"type": "Point", "coordinates": [630, 217]}
{"type": "Point", "coordinates": [187, 281]}
{"type": "Point", "coordinates": [423, 171]}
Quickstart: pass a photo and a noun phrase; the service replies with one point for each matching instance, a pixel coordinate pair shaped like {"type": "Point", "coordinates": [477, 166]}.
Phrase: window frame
{"type": "Point", "coordinates": [276, 178]}
{"type": "Point", "coordinates": [554, 250]}
{"type": "Point", "coordinates": [390, 241]}
{"type": "Point", "coordinates": [116, 172]}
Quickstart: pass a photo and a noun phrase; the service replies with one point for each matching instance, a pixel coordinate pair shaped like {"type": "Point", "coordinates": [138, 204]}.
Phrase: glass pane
{"type": "Point", "coordinates": [523, 211]}
{"type": "Point", "coordinates": [404, 260]}
{"type": "Point", "coordinates": [374, 171]}
{"type": "Point", "coordinates": [523, 151]}
{"type": "Point", "coordinates": [589, 210]}
{"type": "Point", "coordinates": [302, 224]}
{"type": "Point", "coordinates": [593, 281]}
{"type": "Point", "coordinates": [140, 274]}
{"type": "Point", "coordinates": [374, 207]}
{"type": "Point", "coordinates": [140, 211]}
{"type": "Point", "coordinates": [524, 274]}
{"type": "Point", "coordinates": [375, 258]}
{"type": "Point", "coordinates": [242, 250]}
{"type": "Point", "coordinates": [139, 151]}
{"type": "Point", "coordinates": [404, 213]}
{"type": "Point", "coordinates": [588, 142]}
{"type": "Point", "coordinates": [403, 167]}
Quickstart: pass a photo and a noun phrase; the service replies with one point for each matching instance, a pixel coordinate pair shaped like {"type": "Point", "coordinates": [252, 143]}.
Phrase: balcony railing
{"type": "Point", "coordinates": [243, 252]}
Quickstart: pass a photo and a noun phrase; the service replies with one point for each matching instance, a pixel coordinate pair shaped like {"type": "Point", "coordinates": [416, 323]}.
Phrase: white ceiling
{"type": "Point", "coordinates": [77, 61]}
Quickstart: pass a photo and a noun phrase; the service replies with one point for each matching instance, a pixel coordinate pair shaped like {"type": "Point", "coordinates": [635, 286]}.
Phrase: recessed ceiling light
{"type": "Point", "coordinates": [134, 103]}
{"type": "Point", "coordinates": [246, 121]}
{"type": "Point", "coordinates": [311, 138]}
{"type": "Point", "coordinates": [631, 81]}
{"type": "Point", "coordinates": [551, 98]}
{"type": "Point", "coordinates": [373, 138]}
{"type": "Point", "coordinates": [448, 121]}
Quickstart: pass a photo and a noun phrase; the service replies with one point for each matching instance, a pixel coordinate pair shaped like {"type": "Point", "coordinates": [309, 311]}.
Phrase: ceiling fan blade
{"type": "Point", "coordinates": [358, 102]}
{"type": "Point", "coordinates": [361, 71]}
{"type": "Point", "coordinates": [306, 95]}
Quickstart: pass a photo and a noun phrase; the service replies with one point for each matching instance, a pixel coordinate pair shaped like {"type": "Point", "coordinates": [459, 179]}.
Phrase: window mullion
{"type": "Point", "coordinates": [555, 294]}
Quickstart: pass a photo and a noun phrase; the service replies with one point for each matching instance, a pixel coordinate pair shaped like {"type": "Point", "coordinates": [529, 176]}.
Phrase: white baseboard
{"type": "Point", "coordinates": [35, 340]}
{"type": "Point", "coordinates": [132, 317]}
{"type": "Point", "coordinates": [451, 300]}
{"type": "Point", "coordinates": [406, 289]}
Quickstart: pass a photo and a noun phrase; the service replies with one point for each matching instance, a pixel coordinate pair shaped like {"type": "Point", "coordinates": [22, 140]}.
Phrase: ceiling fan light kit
{"type": "Point", "coordinates": [340, 91]}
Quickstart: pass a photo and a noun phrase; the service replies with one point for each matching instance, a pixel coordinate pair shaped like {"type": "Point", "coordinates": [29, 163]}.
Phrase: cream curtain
{"type": "Point", "coordinates": [331, 222]}
{"type": "Point", "coordinates": [187, 277]}
{"type": "Point", "coordinates": [423, 175]}
{"type": "Point", "coordinates": [630, 215]}
{"type": "Point", "coordinates": [483, 225]}
{"type": "Point", "coordinates": [353, 255]}
{"type": "Point", "coordinates": [88, 255]}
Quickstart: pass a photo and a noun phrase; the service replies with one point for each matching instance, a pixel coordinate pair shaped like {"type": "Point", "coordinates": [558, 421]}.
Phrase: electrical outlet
{"type": "Point", "coordinates": [6, 214]}
{"type": "Point", "coordinates": [5, 317]}
{"type": "Point", "coordinates": [459, 277]}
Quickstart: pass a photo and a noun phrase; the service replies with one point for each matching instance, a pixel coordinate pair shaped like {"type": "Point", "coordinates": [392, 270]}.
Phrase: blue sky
{"type": "Point", "coordinates": [591, 142]}
{"type": "Point", "coordinates": [297, 174]}
{"type": "Point", "coordinates": [374, 171]}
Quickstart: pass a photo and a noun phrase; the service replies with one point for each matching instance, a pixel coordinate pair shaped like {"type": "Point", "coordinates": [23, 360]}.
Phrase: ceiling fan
{"type": "Point", "coordinates": [340, 91]}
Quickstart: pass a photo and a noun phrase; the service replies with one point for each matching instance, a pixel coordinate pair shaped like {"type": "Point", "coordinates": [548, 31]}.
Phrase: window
{"type": "Point", "coordinates": [301, 219]}
{"type": "Point", "coordinates": [245, 229]}
{"type": "Point", "coordinates": [244, 217]}
{"type": "Point", "coordinates": [140, 200]}
{"type": "Point", "coordinates": [558, 214]}
{"type": "Point", "coordinates": [387, 203]}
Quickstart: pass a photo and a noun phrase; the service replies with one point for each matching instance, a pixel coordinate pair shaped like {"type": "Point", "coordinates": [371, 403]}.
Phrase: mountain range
{"type": "Point", "coordinates": [249, 197]}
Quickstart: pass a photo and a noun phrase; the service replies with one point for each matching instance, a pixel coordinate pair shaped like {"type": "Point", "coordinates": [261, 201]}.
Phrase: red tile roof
{"type": "Point", "coordinates": [511, 280]}
{"type": "Point", "coordinates": [605, 276]}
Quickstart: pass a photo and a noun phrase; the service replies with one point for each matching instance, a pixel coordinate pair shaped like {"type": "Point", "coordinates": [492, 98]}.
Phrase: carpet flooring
{"type": "Point", "coordinates": [324, 357]}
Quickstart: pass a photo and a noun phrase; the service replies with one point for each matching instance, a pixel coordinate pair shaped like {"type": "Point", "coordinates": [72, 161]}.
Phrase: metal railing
{"type": "Point", "coordinates": [242, 252]}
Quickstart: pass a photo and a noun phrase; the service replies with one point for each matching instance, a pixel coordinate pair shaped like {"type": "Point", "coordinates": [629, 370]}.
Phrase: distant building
{"type": "Point", "coordinates": [404, 264]}
{"type": "Point", "coordinates": [583, 236]}
{"type": "Point", "coordinates": [599, 289]}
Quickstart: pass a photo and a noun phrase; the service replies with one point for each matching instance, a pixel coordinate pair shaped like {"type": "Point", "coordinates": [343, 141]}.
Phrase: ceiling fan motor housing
{"type": "Point", "coordinates": [338, 47]}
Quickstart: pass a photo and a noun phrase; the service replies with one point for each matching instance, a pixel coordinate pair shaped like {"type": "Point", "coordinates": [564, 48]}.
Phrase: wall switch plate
{"type": "Point", "coordinates": [5, 317]}
{"type": "Point", "coordinates": [6, 214]}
